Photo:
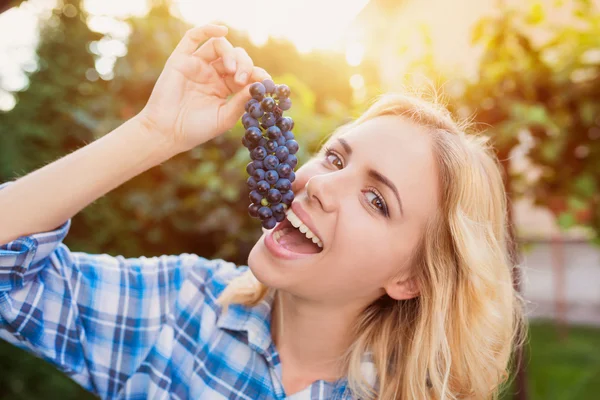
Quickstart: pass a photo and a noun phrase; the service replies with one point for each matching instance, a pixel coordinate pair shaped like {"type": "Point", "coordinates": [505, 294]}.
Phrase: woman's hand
{"type": "Point", "coordinates": [188, 105]}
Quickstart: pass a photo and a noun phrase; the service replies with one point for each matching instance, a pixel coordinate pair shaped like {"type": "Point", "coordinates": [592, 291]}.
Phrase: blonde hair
{"type": "Point", "coordinates": [456, 338]}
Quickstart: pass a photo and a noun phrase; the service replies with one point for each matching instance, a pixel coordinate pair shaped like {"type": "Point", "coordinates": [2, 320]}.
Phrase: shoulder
{"type": "Point", "coordinates": [208, 278]}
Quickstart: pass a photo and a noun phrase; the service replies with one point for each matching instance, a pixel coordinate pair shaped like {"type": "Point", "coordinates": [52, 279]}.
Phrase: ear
{"type": "Point", "coordinates": [402, 289]}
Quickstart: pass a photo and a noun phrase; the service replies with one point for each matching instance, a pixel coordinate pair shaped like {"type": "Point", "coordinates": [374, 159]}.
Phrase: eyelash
{"type": "Point", "coordinates": [384, 209]}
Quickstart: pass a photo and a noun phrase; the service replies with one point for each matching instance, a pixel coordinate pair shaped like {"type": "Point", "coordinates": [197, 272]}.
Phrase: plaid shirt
{"type": "Point", "coordinates": [138, 328]}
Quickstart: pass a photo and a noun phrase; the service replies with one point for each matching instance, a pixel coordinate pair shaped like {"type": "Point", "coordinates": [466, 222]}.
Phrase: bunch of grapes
{"type": "Point", "coordinates": [272, 147]}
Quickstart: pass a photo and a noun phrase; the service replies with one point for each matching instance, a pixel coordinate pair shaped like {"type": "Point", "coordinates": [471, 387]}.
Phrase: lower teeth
{"type": "Point", "coordinates": [280, 233]}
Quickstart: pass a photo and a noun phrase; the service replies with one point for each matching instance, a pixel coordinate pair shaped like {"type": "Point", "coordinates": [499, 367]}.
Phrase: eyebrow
{"type": "Point", "coordinates": [376, 175]}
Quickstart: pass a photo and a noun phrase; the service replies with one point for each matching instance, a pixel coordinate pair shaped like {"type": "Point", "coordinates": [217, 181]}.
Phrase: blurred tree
{"type": "Point", "coordinates": [539, 81]}
{"type": "Point", "coordinates": [49, 118]}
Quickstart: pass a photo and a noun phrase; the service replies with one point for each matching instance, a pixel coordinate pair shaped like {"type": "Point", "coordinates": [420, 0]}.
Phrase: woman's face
{"type": "Point", "coordinates": [367, 195]}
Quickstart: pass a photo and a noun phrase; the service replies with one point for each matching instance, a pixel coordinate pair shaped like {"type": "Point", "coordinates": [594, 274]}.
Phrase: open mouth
{"type": "Point", "coordinates": [293, 235]}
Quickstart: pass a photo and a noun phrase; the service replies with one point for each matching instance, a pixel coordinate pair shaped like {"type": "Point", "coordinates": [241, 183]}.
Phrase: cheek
{"type": "Point", "coordinates": [364, 246]}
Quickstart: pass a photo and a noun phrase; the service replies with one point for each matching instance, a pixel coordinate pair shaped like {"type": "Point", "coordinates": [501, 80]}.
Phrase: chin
{"type": "Point", "coordinates": [264, 267]}
{"type": "Point", "coordinates": [258, 262]}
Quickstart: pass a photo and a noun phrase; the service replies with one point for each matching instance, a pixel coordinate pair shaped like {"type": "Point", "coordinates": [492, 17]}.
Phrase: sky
{"type": "Point", "coordinates": [309, 24]}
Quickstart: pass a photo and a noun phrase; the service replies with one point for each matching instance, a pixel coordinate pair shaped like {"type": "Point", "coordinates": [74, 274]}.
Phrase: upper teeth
{"type": "Point", "coordinates": [293, 218]}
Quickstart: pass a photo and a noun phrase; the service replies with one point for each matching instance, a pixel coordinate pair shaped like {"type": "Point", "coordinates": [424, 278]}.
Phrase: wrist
{"type": "Point", "coordinates": [147, 129]}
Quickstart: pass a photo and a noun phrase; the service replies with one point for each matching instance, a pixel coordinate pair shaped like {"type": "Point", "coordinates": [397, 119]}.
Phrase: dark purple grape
{"type": "Point", "coordinates": [281, 141]}
{"type": "Point", "coordinates": [278, 209]}
{"type": "Point", "coordinates": [250, 168]}
{"type": "Point", "coordinates": [285, 104]}
{"type": "Point", "coordinates": [253, 134]}
{"type": "Point", "coordinates": [267, 120]}
{"type": "Point", "coordinates": [258, 164]}
{"type": "Point", "coordinates": [274, 196]}
{"type": "Point", "coordinates": [277, 112]}
{"type": "Point", "coordinates": [253, 210]}
{"type": "Point", "coordinates": [271, 146]}
{"type": "Point", "coordinates": [292, 176]}
{"type": "Point", "coordinates": [283, 185]}
{"type": "Point", "coordinates": [285, 124]}
{"type": "Point", "coordinates": [282, 91]}
{"type": "Point", "coordinates": [269, 86]}
{"type": "Point", "coordinates": [248, 121]}
{"type": "Point", "coordinates": [245, 143]}
{"type": "Point", "coordinates": [249, 103]}
{"type": "Point", "coordinates": [267, 104]}
{"type": "Point", "coordinates": [259, 174]}
{"type": "Point", "coordinates": [271, 176]}
{"type": "Point", "coordinates": [287, 198]}
{"type": "Point", "coordinates": [257, 91]}
{"type": "Point", "coordinates": [278, 216]}
{"type": "Point", "coordinates": [291, 159]}
{"type": "Point", "coordinates": [273, 133]}
{"type": "Point", "coordinates": [251, 182]}
{"type": "Point", "coordinates": [271, 162]}
{"type": "Point", "coordinates": [292, 146]}
{"type": "Point", "coordinates": [269, 223]}
{"type": "Point", "coordinates": [265, 212]}
{"type": "Point", "coordinates": [289, 135]}
{"type": "Point", "coordinates": [263, 142]}
{"type": "Point", "coordinates": [284, 170]}
{"type": "Point", "coordinates": [282, 153]}
{"type": "Point", "coordinates": [263, 187]}
{"type": "Point", "coordinates": [255, 197]}
{"type": "Point", "coordinates": [258, 153]}
{"type": "Point", "coordinates": [255, 110]}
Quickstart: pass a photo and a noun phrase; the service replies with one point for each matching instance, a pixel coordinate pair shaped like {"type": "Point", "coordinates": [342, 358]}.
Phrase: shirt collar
{"type": "Point", "coordinates": [255, 321]}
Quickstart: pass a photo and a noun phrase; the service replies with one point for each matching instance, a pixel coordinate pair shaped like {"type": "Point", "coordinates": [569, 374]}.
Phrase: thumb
{"type": "Point", "coordinates": [234, 108]}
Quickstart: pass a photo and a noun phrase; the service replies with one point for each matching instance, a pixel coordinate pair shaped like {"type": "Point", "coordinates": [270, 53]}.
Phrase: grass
{"type": "Point", "coordinates": [558, 369]}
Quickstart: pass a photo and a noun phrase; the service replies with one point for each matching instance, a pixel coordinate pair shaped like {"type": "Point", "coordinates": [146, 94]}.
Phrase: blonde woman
{"type": "Point", "coordinates": [406, 294]}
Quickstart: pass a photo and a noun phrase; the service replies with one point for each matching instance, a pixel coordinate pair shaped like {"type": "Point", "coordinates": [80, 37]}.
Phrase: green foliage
{"type": "Point", "coordinates": [26, 377]}
{"type": "Point", "coordinates": [542, 77]}
{"type": "Point", "coordinates": [562, 368]}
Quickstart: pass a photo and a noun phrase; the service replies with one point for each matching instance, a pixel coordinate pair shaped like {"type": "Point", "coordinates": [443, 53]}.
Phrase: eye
{"type": "Point", "coordinates": [376, 201]}
{"type": "Point", "coordinates": [333, 158]}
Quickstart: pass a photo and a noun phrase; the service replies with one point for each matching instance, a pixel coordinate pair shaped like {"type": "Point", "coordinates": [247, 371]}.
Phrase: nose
{"type": "Point", "coordinates": [320, 190]}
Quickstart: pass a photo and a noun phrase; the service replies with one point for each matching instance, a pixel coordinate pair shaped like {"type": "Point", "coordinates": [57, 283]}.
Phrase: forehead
{"type": "Point", "coordinates": [399, 149]}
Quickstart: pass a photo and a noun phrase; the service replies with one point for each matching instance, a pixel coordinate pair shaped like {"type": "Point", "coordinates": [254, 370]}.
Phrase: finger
{"type": "Point", "coordinates": [244, 66]}
{"type": "Point", "coordinates": [234, 108]}
{"type": "Point", "coordinates": [194, 36]}
{"type": "Point", "coordinates": [217, 48]}
{"type": "Point", "coordinates": [259, 75]}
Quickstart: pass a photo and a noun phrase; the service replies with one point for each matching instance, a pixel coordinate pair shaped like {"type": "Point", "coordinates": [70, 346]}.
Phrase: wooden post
{"type": "Point", "coordinates": [515, 260]}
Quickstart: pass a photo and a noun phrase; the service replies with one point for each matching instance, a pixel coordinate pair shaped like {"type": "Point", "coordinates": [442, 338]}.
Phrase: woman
{"type": "Point", "coordinates": [408, 296]}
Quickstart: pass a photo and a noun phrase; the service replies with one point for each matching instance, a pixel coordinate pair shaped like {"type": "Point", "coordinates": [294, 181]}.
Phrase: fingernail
{"type": "Point", "coordinates": [231, 65]}
{"type": "Point", "coordinates": [242, 78]}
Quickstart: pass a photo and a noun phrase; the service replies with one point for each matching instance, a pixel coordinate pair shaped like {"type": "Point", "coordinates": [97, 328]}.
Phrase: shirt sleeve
{"type": "Point", "coordinates": [93, 316]}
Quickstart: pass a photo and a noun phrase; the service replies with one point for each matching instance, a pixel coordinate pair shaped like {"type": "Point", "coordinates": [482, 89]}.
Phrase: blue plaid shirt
{"type": "Point", "coordinates": [138, 328]}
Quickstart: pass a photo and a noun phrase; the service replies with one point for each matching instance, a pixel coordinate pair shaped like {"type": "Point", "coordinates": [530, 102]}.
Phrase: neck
{"type": "Point", "coordinates": [311, 338]}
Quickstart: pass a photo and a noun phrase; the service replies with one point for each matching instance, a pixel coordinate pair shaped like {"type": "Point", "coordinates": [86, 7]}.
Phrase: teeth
{"type": "Point", "coordinates": [295, 221]}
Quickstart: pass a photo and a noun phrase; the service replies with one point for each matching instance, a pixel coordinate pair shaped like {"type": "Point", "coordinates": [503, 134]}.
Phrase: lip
{"type": "Point", "coordinates": [305, 218]}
